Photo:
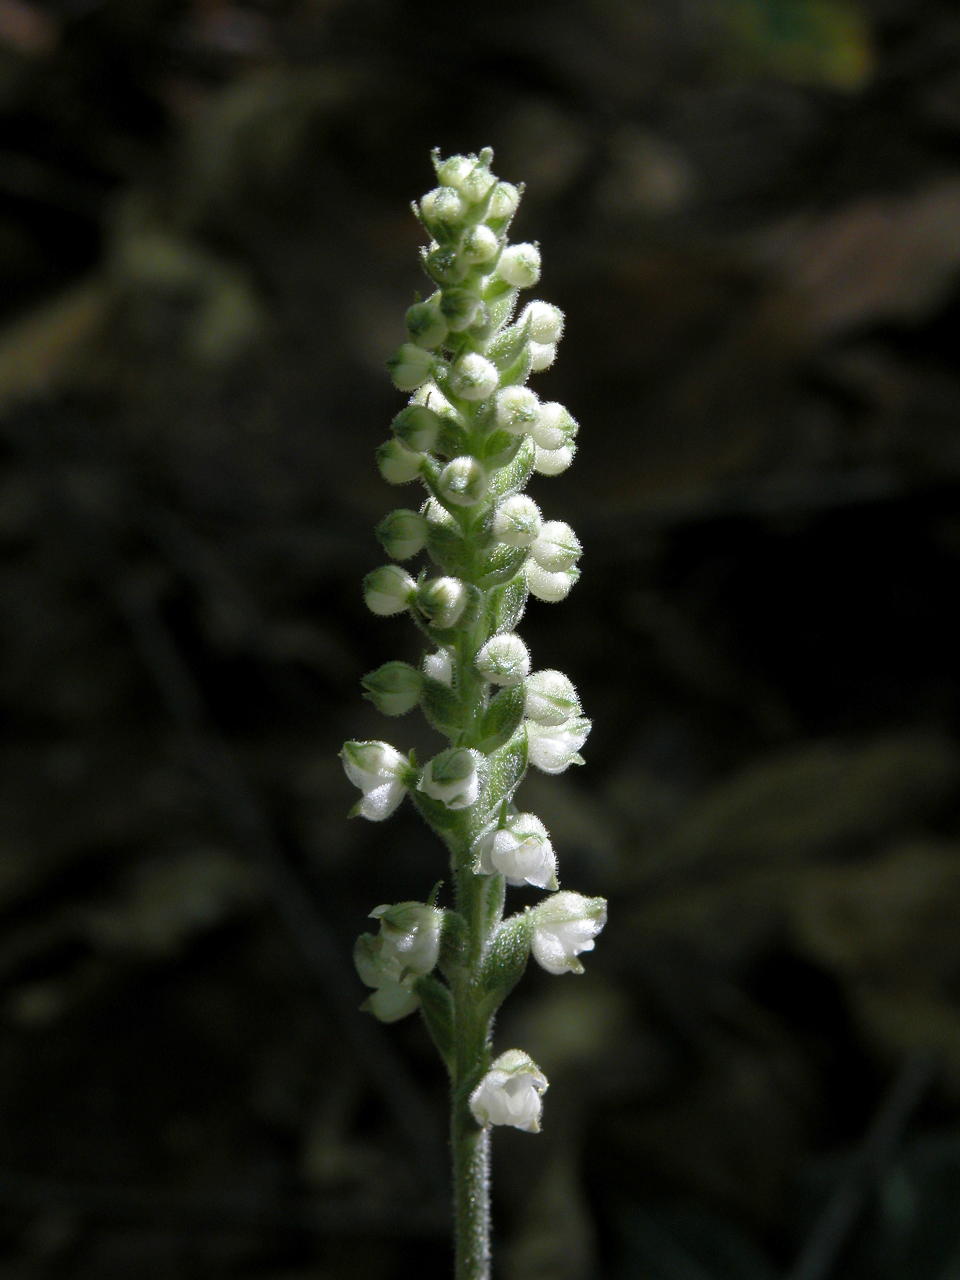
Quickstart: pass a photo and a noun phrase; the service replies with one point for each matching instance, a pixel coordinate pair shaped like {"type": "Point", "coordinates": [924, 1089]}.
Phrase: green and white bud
{"type": "Point", "coordinates": [453, 778]}
{"type": "Point", "coordinates": [510, 1093]}
{"type": "Point", "coordinates": [463, 481]}
{"type": "Point", "coordinates": [564, 926]}
{"type": "Point", "coordinates": [397, 463]}
{"type": "Point", "coordinates": [554, 426]}
{"type": "Point", "coordinates": [392, 1001]}
{"type": "Point", "coordinates": [388, 590]}
{"type": "Point", "coordinates": [474, 377]}
{"type": "Point", "coordinates": [519, 265]}
{"type": "Point", "coordinates": [440, 209]}
{"type": "Point", "coordinates": [516, 521]}
{"type": "Point", "coordinates": [480, 245]}
{"type": "Point", "coordinates": [454, 170]}
{"type": "Point", "coordinates": [554, 748]}
{"type": "Point", "coordinates": [542, 355]}
{"type": "Point", "coordinates": [460, 308]}
{"type": "Point", "coordinates": [445, 266]}
{"type": "Point", "coordinates": [381, 773]}
{"type": "Point", "coordinates": [517, 409]}
{"type": "Point", "coordinates": [550, 587]}
{"type": "Point", "coordinates": [557, 546]}
{"type": "Point", "coordinates": [504, 200]}
{"type": "Point", "coordinates": [402, 533]}
{"type": "Point", "coordinates": [551, 698]}
{"type": "Point", "coordinates": [504, 659]}
{"type": "Point", "coordinates": [544, 321]}
{"type": "Point", "coordinates": [439, 666]}
{"type": "Point", "coordinates": [553, 462]}
{"type": "Point", "coordinates": [393, 688]}
{"type": "Point", "coordinates": [410, 366]}
{"type": "Point", "coordinates": [476, 184]}
{"type": "Point", "coordinates": [417, 427]}
{"type": "Point", "coordinates": [441, 601]}
{"type": "Point", "coordinates": [426, 325]}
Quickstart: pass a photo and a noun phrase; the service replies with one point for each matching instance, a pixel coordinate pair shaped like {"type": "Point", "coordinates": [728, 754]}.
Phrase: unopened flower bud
{"type": "Point", "coordinates": [516, 410]}
{"type": "Point", "coordinates": [440, 208]}
{"type": "Point", "coordinates": [516, 521]}
{"type": "Point", "coordinates": [510, 1093]}
{"type": "Point", "coordinates": [460, 308]}
{"type": "Point", "coordinates": [388, 590]}
{"type": "Point", "coordinates": [445, 266]}
{"type": "Point", "coordinates": [553, 748]}
{"type": "Point", "coordinates": [551, 698]}
{"type": "Point", "coordinates": [452, 171]}
{"type": "Point", "coordinates": [520, 851]}
{"type": "Point", "coordinates": [410, 366]}
{"type": "Point", "coordinates": [417, 427]}
{"type": "Point", "coordinates": [550, 587]}
{"type": "Point", "coordinates": [504, 659]}
{"type": "Point", "coordinates": [391, 1002]}
{"type": "Point", "coordinates": [402, 533]}
{"type": "Point", "coordinates": [452, 777]}
{"type": "Point", "coordinates": [439, 666]}
{"type": "Point", "coordinates": [544, 321]}
{"type": "Point", "coordinates": [379, 770]}
{"type": "Point", "coordinates": [480, 245]}
{"type": "Point", "coordinates": [477, 183]}
{"type": "Point", "coordinates": [426, 325]}
{"type": "Point", "coordinates": [557, 546]}
{"type": "Point", "coordinates": [503, 202]}
{"type": "Point", "coordinates": [397, 463]}
{"type": "Point", "coordinates": [519, 265]}
{"type": "Point", "coordinates": [463, 481]}
{"type": "Point", "coordinates": [552, 462]}
{"type": "Point", "coordinates": [554, 426]}
{"type": "Point", "coordinates": [441, 601]}
{"type": "Point", "coordinates": [474, 377]}
{"type": "Point", "coordinates": [393, 688]}
{"type": "Point", "coordinates": [564, 926]}
{"type": "Point", "coordinates": [411, 933]}
{"type": "Point", "coordinates": [542, 355]}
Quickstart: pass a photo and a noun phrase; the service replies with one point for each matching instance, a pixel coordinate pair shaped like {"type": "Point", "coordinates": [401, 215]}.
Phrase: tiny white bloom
{"type": "Point", "coordinates": [548, 585]}
{"type": "Point", "coordinates": [439, 666]}
{"type": "Point", "coordinates": [441, 601]}
{"type": "Point", "coordinates": [556, 547]}
{"type": "Point", "coordinates": [410, 932]}
{"type": "Point", "coordinates": [516, 521]}
{"type": "Point", "coordinates": [474, 377]}
{"type": "Point", "coordinates": [550, 698]}
{"type": "Point", "coordinates": [552, 462]}
{"type": "Point", "coordinates": [463, 481]}
{"type": "Point", "coordinates": [379, 771]}
{"type": "Point", "coordinates": [504, 659]}
{"type": "Point", "coordinates": [410, 366]}
{"type": "Point", "coordinates": [553, 748]}
{"type": "Point", "coordinates": [453, 778]}
{"type": "Point", "coordinates": [545, 321]}
{"type": "Point", "coordinates": [517, 409]}
{"type": "Point", "coordinates": [521, 852]}
{"type": "Point", "coordinates": [564, 926]}
{"type": "Point", "coordinates": [388, 590]}
{"type": "Point", "coordinates": [542, 355]}
{"type": "Point", "coordinates": [519, 265]}
{"type": "Point", "coordinates": [554, 426]}
{"type": "Point", "coordinates": [510, 1093]}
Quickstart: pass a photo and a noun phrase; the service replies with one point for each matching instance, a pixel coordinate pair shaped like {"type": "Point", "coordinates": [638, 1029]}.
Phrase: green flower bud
{"type": "Point", "coordinates": [397, 463]}
{"type": "Point", "coordinates": [393, 688]}
{"type": "Point", "coordinates": [410, 366]}
{"type": "Point", "coordinates": [426, 325]}
{"type": "Point", "coordinates": [388, 590]}
{"type": "Point", "coordinates": [402, 533]}
{"type": "Point", "coordinates": [417, 427]}
{"type": "Point", "coordinates": [462, 482]}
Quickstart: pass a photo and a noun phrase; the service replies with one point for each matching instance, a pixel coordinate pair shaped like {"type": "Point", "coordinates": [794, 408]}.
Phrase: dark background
{"type": "Point", "coordinates": [750, 212]}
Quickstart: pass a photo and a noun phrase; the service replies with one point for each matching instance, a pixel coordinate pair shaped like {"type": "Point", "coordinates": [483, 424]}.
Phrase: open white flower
{"type": "Point", "coordinates": [379, 770]}
{"type": "Point", "coordinates": [520, 851]}
{"type": "Point", "coordinates": [554, 747]}
{"type": "Point", "coordinates": [550, 698]}
{"type": "Point", "coordinates": [510, 1093]}
{"type": "Point", "coordinates": [504, 659]}
{"type": "Point", "coordinates": [564, 926]}
{"type": "Point", "coordinates": [452, 778]}
{"type": "Point", "coordinates": [410, 934]}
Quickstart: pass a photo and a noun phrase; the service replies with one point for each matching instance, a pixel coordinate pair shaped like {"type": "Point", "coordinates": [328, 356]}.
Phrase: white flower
{"type": "Point", "coordinates": [564, 926]}
{"type": "Point", "coordinates": [440, 206]}
{"type": "Point", "coordinates": [517, 409]}
{"type": "Point", "coordinates": [549, 586]}
{"type": "Point", "coordinates": [410, 933]}
{"type": "Point", "coordinates": [425, 324]}
{"type": "Point", "coordinates": [550, 698]}
{"type": "Point", "coordinates": [388, 590]}
{"type": "Point", "coordinates": [452, 777]}
{"type": "Point", "coordinates": [510, 1093]}
{"type": "Point", "coordinates": [545, 321]}
{"type": "Point", "coordinates": [516, 521]}
{"type": "Point", "coordinates": [474, 377]}
{"type": "Point", "coordinates": [441, 601]}
{"type": "Point", "coordinates": [521, 851]}
{"type": "Point", "coordinates": [452, 171]}
{"type": "Point", "coordinates": [417, 427]}
{"type": "Point", "coordinates": [379, 770]}
{"type": "Point", "coordinates": [519, 265]}
{"type": "Point", "coordinates": [554, 426]}
{"type": "Point", "coordinates": [503, 202]}
{"type": "Point", "coordinates": [410, 366]}
{"type": "Point", "coordinates": [542, 355]}
{"type": "Point", "coordinates": [402, 533]}
{"type": "Point", "coordinates": [392, 1001]}
{"type": "Point", "coordinates": [553, 748]}
{"type": "Point", "coordinates": [557, 546]}
{"type": "Point", "coordinates": [463, 481]}
{"type": "Point", "coordinates": [504, 659]}
{"type": "Point", "coordinates": [480, 245]}
{"type": "Point", "coordinates": [397, 463]}
{"type": "Point", "coordinates": [439, 666]}
{"type": "Point", "coordinates": [551, 462]}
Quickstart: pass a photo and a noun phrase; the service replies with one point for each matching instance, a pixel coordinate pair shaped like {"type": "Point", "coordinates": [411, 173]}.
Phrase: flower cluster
{"type": "Point", "coordinates": [473, 434]}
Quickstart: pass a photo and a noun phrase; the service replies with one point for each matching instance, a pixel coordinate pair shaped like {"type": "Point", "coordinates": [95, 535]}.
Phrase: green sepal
{"type": "Point", "coordinates": [512, 478]}
{"type": "Point", "coordinates": [453, 826]}
{"type": "Point", "coordinates": [441, 706]}
{"type": "Point", "coordinates": [492, 896]}
{"type": "Point", "coordinates": [506, 959]}
{"type": "Point", "coordinates": [509, 349]}
{"type": "Point", "coordinates": [502, 718]}
{"type": "Point", "coordinates": [505, 605]}
{"type": "Point", "coordinates": [499, 449]}
{"type": "Point", "coordinates": [505, 769]}
{"type": "Point", "coordinates": [436, 1005]}
{"type": "Point", "coordinates": [503, 564]}
{"type": "Point", "coordinates": [500, 307]}
{"type": "Point", "coordinates": [453, 942]}
{"type": "Point", "coordinates": [447, 548]}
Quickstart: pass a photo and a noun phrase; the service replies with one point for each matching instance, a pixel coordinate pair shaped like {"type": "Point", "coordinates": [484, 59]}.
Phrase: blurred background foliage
{"type": "Point", "coordinates": [749, 209]}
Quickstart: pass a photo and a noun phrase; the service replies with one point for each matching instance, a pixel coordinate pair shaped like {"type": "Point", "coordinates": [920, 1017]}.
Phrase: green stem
{"type": "Point", "coordinates": [471, 1183]}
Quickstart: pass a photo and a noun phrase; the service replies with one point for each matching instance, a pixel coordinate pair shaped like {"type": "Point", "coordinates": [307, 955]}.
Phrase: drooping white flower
{"type": "Point", "coordinates": [553, 462]}
{"type": "Point", "coordinates": [542, 355]}
{"type": "Point", "coordinates": [520, 851]}
{"type": "Point", "coordinates": [564, 926]}
{"type": "Point", "coordinates": [548, 585]}
{"type": "Point", "coordinates": [551, 698]}
{"type": "Point", "coordinates": [453, 778]}
{"type": "Point", "coordinates": [553, 748]}
{"type": "Point", "coordinates": [504, 659]}
{"type": "Point", "coordinates": [510, 1093]}
{"type": "Point", "coordinates": [410, 933]}
{"type": "Point", "coordinates": [380, 771]}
